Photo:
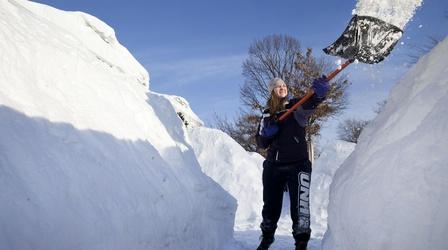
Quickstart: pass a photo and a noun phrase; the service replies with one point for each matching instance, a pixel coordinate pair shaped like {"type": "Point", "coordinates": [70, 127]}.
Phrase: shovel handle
{"type": "Point", "coordinates": [339, 69]}
{"type": "Point", "coordinates": [308, 95]}
{"type": "Point", "coordinates": [310, 91]}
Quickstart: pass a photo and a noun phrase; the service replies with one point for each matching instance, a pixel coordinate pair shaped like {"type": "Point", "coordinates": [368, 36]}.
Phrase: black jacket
{"type": "Point", "coordinates": [289, 144]}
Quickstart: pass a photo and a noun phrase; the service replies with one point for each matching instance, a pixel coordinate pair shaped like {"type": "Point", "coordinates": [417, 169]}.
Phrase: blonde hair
{"type": "Point", "coordinates": [275, 104]}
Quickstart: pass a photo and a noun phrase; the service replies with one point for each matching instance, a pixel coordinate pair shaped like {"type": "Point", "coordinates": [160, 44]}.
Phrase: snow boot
{"type": "Point", "coordinates": [266, 241]}
{"type": "Point", "coordinates": [267, 237]}
{"type": "Point", "coordinates": [301, 240]}
{"type": "Point", "coordinates": [301, 245]}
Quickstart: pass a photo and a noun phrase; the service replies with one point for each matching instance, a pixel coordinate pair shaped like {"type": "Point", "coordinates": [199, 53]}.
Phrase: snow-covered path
{"type": "Point", "coordinates": [248, 240]}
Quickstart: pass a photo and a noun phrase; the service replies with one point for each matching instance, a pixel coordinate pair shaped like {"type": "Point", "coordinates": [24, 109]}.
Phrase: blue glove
{"type": "Point", "coordinates": [268, 127]}
{"type": "Point", "coordinates": [320, 86]}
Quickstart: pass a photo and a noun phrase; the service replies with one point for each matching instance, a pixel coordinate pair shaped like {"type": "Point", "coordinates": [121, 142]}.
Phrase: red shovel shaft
{"type": "Point", "coordinates": [343, 66]}
{"type": "Point", "coordinates": [310, 92]}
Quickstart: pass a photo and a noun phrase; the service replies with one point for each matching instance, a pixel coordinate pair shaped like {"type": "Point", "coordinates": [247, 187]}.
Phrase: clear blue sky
{"type": "Point", "coordinates": [195, 48]}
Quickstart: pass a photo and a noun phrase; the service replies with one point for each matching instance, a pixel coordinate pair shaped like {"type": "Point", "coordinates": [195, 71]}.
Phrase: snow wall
{"type": "Point", "coordinates": [236, 170]}
{"type": "Point", "coordinates": [391, 193]}
{"type": "Point", "coordinates": [89, 158]}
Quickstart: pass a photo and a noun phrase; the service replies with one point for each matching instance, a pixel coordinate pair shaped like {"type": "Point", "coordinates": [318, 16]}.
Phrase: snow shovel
{"type": "Point", "coordinates": [366, 39]}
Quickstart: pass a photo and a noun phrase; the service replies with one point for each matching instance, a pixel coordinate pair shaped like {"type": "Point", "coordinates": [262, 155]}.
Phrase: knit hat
{"type": "Point", "coordinates": [274, 82]}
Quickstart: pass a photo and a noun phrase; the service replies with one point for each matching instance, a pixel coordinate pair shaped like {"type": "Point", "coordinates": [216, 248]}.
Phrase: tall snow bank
{"type": "Point", "coordinates": [98, 40]}
{"type": "Point", "coordinates": [332, 156]}
{"type": "Point", "coordinates": [182, 109]}
{"type": "Point", "coordinates": [391, 193]}
{"type": "Point", "coordinates": [89, 159]}
{"type": "Point", "coordinates": [235, 169]}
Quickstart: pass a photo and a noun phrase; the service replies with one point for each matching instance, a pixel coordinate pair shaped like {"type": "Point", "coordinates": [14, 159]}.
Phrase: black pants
{"type": "Point", "coordinates": [297, 177]}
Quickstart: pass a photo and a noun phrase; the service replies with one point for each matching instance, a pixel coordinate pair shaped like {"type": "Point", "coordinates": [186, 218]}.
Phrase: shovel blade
{"type": "Point", "coordinates": [366, 39]}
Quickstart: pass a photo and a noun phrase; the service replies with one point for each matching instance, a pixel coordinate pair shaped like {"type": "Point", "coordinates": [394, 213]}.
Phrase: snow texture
{"type": "Point", "coordinates": [236, 170]}
{"type": "Point", "coordinates": [332, 156]}
{"type": "Point", "coordinates": [89, 158]}
{"type": "Point", "coordinates": [396, 12]}
{"type": "Point", "coordinates": [391, 191]}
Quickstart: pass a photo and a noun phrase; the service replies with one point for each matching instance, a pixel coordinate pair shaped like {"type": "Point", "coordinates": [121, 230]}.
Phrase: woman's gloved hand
{"type": "Point", "coordinates": [268, 127]}
{"type": "Point", "coordinates": [320, 86]}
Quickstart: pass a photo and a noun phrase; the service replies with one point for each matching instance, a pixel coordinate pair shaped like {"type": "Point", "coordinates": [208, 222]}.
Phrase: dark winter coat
{"type": "Point", "coordinates": [289, 144]}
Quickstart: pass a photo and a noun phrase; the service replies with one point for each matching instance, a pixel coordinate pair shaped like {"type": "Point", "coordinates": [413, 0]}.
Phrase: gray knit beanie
{"type": "Point", "coordinates": [273, 83]}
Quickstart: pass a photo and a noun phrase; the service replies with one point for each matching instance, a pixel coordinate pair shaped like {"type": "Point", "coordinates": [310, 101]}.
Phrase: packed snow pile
{"type": "Point", "coordinates": [89, 158]}
{"type": "Point", "coordinates": [181, 107]}
{"type": "Point", "coordinates": [332, 156]}
{"type": "Point", "coordinates": [236, 170]}
{"type": "Point", "coordinates": [391, 193]}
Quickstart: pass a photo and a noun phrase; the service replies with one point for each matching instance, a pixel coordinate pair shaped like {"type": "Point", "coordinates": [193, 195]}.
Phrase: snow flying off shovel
{"type": "Point", "coordinates": [366, 39]}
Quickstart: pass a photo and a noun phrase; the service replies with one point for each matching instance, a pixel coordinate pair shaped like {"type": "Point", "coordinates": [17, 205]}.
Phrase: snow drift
{"type": "Point", "coordinates": [391, 193]}
{"type": "Point", "coordinates": [89, 158]}
{"type": "Point", "coordinates": [236, 170]}
{"type": "Point", "coordinates": [332, 156]}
